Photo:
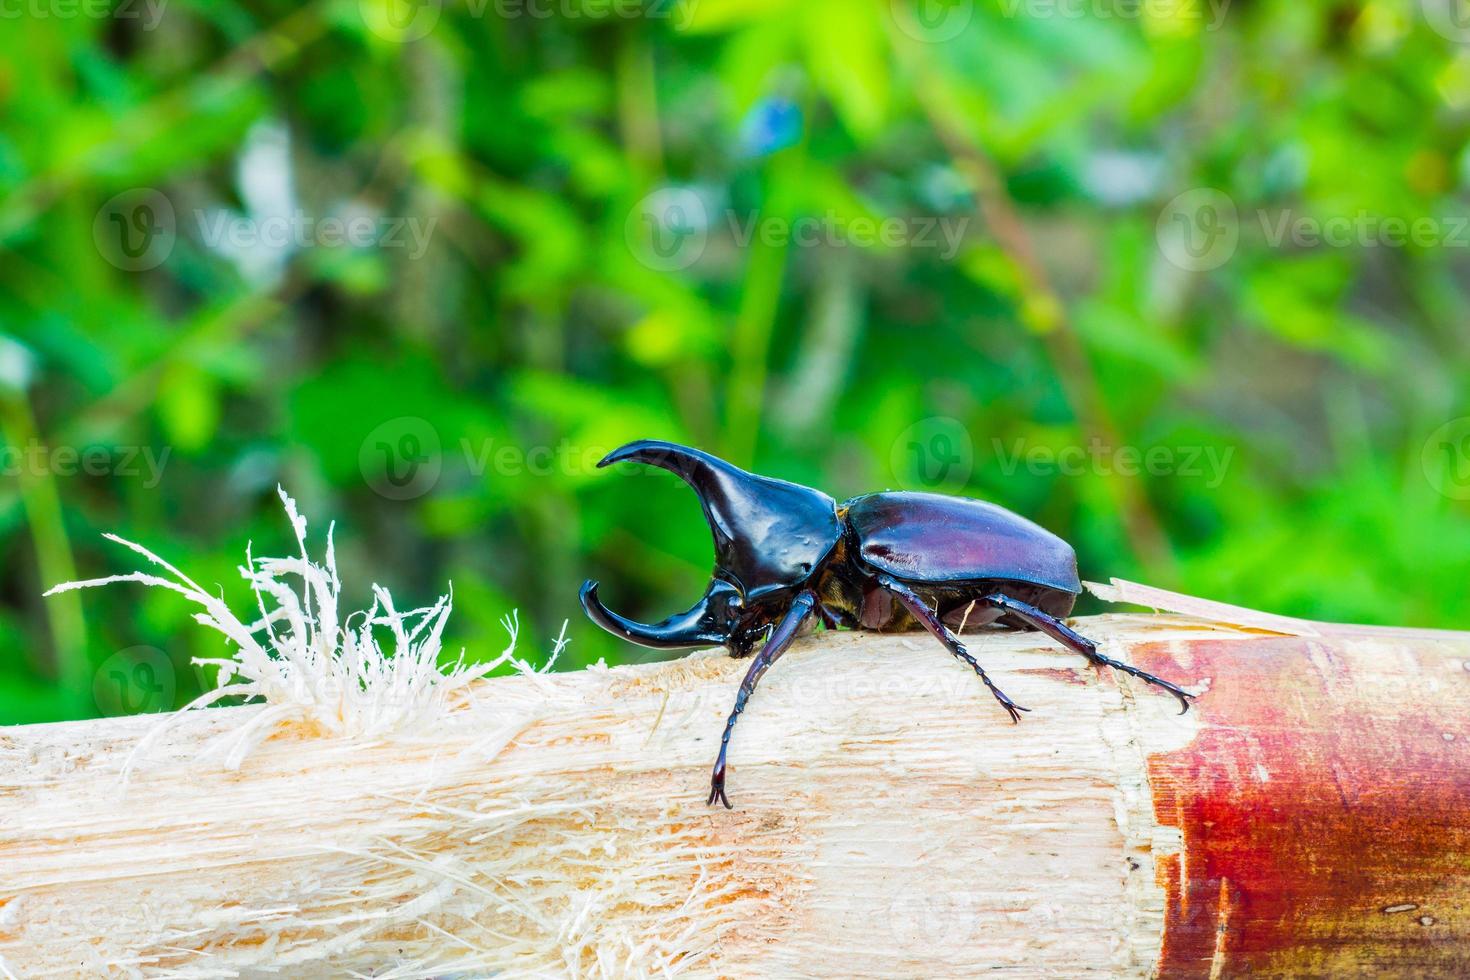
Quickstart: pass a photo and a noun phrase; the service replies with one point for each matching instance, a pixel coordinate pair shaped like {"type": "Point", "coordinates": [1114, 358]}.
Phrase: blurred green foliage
{"type": "Point", "coordinates": [852, 243]}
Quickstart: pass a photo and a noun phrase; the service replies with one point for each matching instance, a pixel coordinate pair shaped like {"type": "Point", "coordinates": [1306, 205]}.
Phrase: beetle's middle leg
{"type": "Point", "coordinates": [930, 620]}
{"type": "Point", "coordinates": [1068, 637]}
{"type": "Point", "coordinates": [780, 639]}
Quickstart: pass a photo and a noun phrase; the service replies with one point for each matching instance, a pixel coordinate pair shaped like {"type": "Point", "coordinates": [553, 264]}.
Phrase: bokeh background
{"type": "Point", "coordinates": [1183, 280]}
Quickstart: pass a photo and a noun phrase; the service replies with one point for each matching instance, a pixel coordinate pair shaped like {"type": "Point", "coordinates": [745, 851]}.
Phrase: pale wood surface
{"type": "Point", "coordinates": [889, 821]}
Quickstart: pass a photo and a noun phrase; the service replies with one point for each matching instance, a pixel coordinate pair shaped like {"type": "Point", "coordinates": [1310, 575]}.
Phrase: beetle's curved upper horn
{"type": "Point", "coordinates": [769, 534]}
{"type": "Point", "coordinates": [707, 623]}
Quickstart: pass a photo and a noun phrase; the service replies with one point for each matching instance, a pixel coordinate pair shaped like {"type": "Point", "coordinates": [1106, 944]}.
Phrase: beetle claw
{"type": "Point", "coordinates": [717, 783]}
{"type": "Point", "coordinates": [717, 792]}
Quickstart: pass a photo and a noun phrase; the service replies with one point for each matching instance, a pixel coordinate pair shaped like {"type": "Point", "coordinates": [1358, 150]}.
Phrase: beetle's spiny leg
{"type": "Point", "coordinates": [1069, 637]}
{"type": "Point", "coordinates": [1143, 675]}
{"type": "Point", "coordinates": [930, 620]}
{"type": "Point", "coordinates": [780, 639]}
{"type": "Point", "coordinates": [1005, 702]}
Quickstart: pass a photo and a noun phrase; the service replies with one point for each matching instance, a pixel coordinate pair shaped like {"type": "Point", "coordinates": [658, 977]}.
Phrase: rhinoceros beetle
{"type": "Point", "coordinates": [884, 561]}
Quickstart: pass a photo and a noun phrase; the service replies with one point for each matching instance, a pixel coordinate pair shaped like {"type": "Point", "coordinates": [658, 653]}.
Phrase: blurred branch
{"type": "Point", "coordinates": [1046, 309]}
{"type": "Point", "coordinates": [637, 93]}
{"type": "Point", "coordinates": [688, 379]}
{"type": "Point", "coordinates": [826, 347]}
{"type": "Point", "coordinates": [750, 347]}
{"type": "Point", "coordinates": [435, 86]}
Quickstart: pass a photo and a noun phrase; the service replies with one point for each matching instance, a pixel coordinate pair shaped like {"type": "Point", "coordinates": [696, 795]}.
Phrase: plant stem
{"type": "Point", "coordinates": [750, 347]}
{"type": "Point", "coordinates": [54, 562]}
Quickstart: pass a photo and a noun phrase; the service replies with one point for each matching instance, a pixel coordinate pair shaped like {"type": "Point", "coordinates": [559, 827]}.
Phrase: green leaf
{"type": "Point", "coordinates": [188, 406]}
{"type": "Point", "coordinates": [847, 53]}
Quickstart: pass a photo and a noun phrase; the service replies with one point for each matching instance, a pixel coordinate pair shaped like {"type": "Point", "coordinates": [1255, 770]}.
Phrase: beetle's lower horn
{"type": "Point", "coordinates": [702, 625]}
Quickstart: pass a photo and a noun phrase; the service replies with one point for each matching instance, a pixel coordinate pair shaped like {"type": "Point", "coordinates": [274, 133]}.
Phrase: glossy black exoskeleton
{"type": "Point", "coordinates": [884, 561]}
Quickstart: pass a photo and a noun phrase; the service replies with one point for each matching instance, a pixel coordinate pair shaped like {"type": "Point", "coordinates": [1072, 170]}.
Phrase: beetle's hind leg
{"type": "Point", "coordinates": [1068, 637]}
{"type": "Point", "coordinates": [930, 620]}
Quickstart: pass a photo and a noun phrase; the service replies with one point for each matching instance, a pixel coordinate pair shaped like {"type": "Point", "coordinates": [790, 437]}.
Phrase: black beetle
{"type": "Point", "coordinates": [784, 552]}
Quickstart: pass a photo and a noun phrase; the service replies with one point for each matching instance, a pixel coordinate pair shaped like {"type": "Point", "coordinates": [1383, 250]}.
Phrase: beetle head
{"type": "Point", "coordinates": [770, 537]}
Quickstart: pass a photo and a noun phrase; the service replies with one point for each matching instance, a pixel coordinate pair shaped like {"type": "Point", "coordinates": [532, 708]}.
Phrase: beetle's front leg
{"type": "Point", "coordinates": [1068, 637]}
{"type": "Point", "coordinates": [930, 620]}
{"type": "Point", "coordinates": [780, 639]}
